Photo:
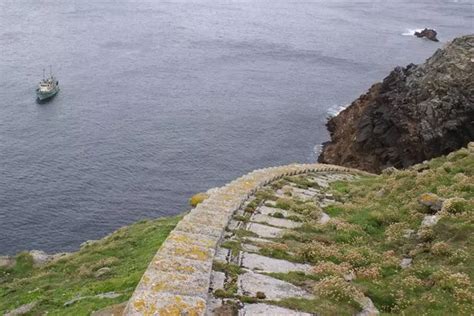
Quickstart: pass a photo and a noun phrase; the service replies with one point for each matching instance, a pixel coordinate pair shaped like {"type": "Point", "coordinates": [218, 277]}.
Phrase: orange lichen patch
{"type": "Point", "coordinates": [179, 307]}
{"type": "Point", "coordinates": [249, 184]}
{"type": "Point", "coordinates": [198, 198]}
{"type": "Point", "coordinates": [214, 220]}
{"type": "Point", "coordinates": [430, 199]}
{"type": "Point", "coordinates": [184, 238]}
{"type": "Point", "coordinates": [227, 197]}
{"type": "Point", "coordinates": [190, 227]}
{"type": "Point", "coordinates": [167, 265]}
{"type": "Point", "coordinates": [146, 279]}
{"type": "Point", "coordinates": [185, 269]}
{"type": "Point", "coordinates": [171, 282]}
{"type": "Point", "coordinates": [139, 305]}
{"type": "Point", "coordinates": [159, 287]}
{"type": "Point", "coordinates": [191, 252]}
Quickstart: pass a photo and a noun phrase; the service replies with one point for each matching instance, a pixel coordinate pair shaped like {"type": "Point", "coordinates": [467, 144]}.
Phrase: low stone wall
{"type": "Point", "coordinates": [177, 279]}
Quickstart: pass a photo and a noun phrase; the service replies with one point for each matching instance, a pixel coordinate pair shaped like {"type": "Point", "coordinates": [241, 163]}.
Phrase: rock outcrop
{"type": "Point", "coordinates": [429, 34]}
{"type": "Point", "coordinates": [416, 113]}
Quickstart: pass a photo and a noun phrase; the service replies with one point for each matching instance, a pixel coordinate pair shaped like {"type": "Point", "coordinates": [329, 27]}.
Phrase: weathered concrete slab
{"type": "Point", "coordinates": [165, 304]}
{"type": "Point", "coordinates": [233, 225]}
{"type": "Point", "coordinates": [250, 283]}
{"type": "Point", "coordinates": [217, 280]}
{"type": "Point", "coordinates": [266, 210]}
{"type": "Point", "coordinates": [304, 194]}
{"type": "Point", "coordinates": [280, 222]}
{"type": "Point", "coordinates": [196, 284]}
{"type": "Point", "coordinates": [194, 239]}
{"type": "Point", "coordinates": [262, 309]}
{"type": "Point", "coordinates": [189, 227]}
{"type": "Point", "coordinates": [250, 248]}
{"type": "Point", "coordinates": [212, 305]}
{"type": "Point", "coordinates": [265, 230]}
{"type": "Point", "coordinates": [161, 264]}
{"type": "Point", "coordinates": [188, 251]}
{"type": "Point", "coordinates": [266, 264]}
{"type": "Point", "coordinates": [222, 254]}
{"type": "Point", "coordinates": [323, 183]}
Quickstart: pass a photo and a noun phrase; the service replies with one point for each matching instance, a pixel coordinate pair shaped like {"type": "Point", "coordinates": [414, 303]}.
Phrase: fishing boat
{"type": "Point", "coordinates": [48, 87]}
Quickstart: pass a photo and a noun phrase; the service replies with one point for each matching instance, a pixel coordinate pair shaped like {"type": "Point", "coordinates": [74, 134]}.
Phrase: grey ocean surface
{"type": "Point", "coordinates": [163, 99]}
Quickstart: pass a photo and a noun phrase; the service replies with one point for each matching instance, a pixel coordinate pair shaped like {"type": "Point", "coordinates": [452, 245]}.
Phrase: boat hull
{"type": "Point", "coordinates": [46, 95]}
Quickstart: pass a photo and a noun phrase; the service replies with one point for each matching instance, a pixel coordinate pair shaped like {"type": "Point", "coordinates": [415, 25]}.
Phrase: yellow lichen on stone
{"type": "Point", "coordinates": [139, 305]}
{"type": "Point", "coordinates": [166, 265]}
{"type": "Point", "coordinates": [198, 198]}
{"type": "Point", "coordinates": [179, 307]}
{"type": "Point", "coordinates": [179, 238]}
{"type": "Point", "coordinates": [169, 282]}
{"type": "Point", "coordinates": [159, 287]}
{"type": "Point", "coordinates": [185, 269]}
{"type": "Point", "coordinates": [192, 252]}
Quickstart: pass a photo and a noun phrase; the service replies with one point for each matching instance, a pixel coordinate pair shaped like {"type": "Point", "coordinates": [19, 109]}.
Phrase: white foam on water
{"type": "Point", "coordinates": [336, 109]}
{"type": "Point", "coordinates": [411, 32]}
{"type": "Point", "coordinates": [317, 150]}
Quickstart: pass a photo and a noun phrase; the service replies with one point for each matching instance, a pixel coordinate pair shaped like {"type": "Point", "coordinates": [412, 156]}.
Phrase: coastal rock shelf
{"type": "Point", "coordinates": [181, 280]}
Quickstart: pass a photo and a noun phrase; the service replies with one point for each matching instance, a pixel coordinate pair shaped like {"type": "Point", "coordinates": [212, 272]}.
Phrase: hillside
{"type": "Point", "coordinates": [414, 114]}
{"type": "Point", "coordinates": [100, 274]}
{"type": "Point", "coordinates": [325, 242]}
{"type": "Point", "coordinates": [342, 244]}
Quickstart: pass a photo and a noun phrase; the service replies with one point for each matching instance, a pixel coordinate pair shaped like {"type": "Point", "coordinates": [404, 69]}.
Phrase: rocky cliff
{"type": "Point", "coordinates": [415, 113]}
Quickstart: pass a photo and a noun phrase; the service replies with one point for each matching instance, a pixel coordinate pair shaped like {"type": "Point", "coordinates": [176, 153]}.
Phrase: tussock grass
{"type": "Point", "coordinates": [127, 252]}
{"type": "Point", "coordinates": [374, 225]}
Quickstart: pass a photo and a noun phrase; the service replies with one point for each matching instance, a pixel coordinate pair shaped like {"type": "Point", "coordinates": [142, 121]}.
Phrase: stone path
{"type": "Point", "coordinates": [180, 279]}
{"type": "Point", "coordinates": [256, 290]}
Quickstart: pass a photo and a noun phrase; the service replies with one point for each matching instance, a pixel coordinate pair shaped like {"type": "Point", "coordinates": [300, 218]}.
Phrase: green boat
{"type": "Point", "coordinates": [48, 87]}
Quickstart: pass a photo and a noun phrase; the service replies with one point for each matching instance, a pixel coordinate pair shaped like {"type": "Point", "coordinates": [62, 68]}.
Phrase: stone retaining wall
{"type": "Point", "coordinates": [177, 279]}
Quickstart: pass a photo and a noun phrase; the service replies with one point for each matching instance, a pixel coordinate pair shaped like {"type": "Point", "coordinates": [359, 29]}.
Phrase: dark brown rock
{"type": "Point", "coordinates": [428, 33]}
{"type": "Point", "coordinates": [415, 114]}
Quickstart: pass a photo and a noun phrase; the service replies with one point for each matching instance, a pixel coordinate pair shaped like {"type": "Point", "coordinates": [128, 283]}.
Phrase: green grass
{"type": "Point", "coordinates": [232, 272]}
{"type": "Point", "coordinates": [295, 277]}
{"type": "Point", "coordinates": [234, 246]}
{"type": "Point", "coordinates": [368, 235]}
{"type": "Point", "coordinates": [127, 252]}
{"type": "Point", "coordinates": [315, 306]}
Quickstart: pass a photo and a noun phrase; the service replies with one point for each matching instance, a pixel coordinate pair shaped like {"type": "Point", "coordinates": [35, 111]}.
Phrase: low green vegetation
{"type": "Point", "coordinates": [232, 271]}
{"type": "Point", "coordinates": [375, 224]}
{"type": "Point", "coordinates": [68, 286]}
{"type": "Point", "coordinates": [315, 306]}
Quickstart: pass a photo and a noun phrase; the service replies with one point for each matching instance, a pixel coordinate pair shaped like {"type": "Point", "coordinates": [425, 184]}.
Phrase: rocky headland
{"type": "Point", "coordinates": [416, 113]}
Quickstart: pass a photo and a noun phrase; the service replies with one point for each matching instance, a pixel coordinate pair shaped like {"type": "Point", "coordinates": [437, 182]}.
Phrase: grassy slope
{"type": "Point", "coordinates": [439, 282]}
{"type": "Point", "coordinates": [127, 252]}
{"type": "Point", "coordinates": [366, 235]}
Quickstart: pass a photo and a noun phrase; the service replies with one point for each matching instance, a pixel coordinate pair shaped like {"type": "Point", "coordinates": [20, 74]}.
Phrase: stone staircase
{"type": "Point", "coordinates": [180, 279]}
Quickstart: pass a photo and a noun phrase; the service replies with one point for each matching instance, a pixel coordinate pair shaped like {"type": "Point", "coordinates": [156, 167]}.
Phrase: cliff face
{"type": "Point", "coordinates": [416, 113]}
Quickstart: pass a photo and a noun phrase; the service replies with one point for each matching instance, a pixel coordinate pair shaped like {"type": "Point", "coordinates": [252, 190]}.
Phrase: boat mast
{"type": "Point", "coordinates": [50, 71]}
{"type": "Point", "coordinates": [43, 73]}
